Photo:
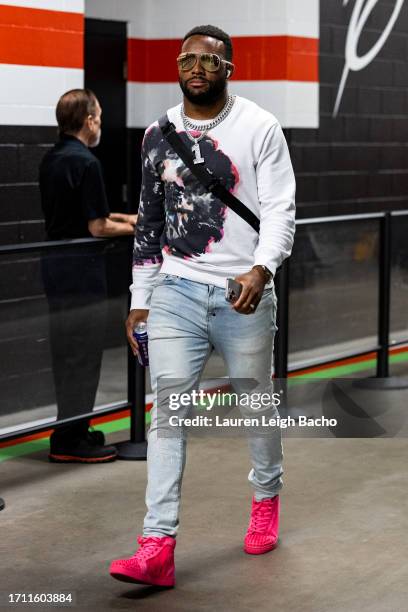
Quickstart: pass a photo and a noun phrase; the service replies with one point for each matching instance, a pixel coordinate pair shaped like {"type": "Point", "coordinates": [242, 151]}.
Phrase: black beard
{"type": "Point", "coordinates": [214, 92]}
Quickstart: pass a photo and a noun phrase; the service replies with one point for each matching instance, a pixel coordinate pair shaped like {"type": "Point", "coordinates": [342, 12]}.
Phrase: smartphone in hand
{"type": "Point", "coordinates": [232, 290]}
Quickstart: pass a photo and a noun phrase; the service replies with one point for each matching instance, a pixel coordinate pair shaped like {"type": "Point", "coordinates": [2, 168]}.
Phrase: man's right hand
{"type": "Point", "coordinates": [135, 316]}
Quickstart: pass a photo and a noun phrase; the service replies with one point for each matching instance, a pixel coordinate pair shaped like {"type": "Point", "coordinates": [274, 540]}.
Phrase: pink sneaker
{"type": "Point", "coordinates": [153, 563]}
{"type": "Point", "coordinates": [263, 529]}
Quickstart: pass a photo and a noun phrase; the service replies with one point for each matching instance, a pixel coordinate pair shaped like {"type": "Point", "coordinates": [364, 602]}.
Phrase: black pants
{"type": "Point", "coordinates": [75, 286]}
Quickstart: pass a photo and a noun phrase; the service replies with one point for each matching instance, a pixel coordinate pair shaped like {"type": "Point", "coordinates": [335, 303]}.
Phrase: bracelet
{"type": "Point", "coordinates": [266, 272]}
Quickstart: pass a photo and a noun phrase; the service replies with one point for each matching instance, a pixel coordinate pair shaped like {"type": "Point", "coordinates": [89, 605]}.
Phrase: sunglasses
{"type": "Point", "coordinates": [209, 61]}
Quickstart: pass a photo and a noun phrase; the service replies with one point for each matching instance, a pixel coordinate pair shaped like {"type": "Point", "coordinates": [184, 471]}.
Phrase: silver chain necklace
{"type": "Point", "coordinates": [204, 127]}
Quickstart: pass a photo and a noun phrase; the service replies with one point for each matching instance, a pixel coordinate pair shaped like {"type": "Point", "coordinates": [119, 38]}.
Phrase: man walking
{"type": "Point", "coordinates": [75, 206]}
{"type": "Point", "coordinates": [187, 243]}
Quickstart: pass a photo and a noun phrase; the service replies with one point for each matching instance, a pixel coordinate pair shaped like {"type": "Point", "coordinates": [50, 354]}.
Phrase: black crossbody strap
{"type": "Point", "coordinates": [205, 176]}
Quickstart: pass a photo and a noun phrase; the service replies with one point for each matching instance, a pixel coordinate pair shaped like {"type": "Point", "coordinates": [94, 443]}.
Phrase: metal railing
{"type": "Point", "coordinates": [136, 390]}
{"type": "Point", "coordinates": [383, 345]}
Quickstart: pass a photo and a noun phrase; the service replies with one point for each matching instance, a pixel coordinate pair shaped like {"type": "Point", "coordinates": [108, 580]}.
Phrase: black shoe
{"type": "Point", "coordinates": [81, 450]}
{"type": "Point", "coordinates": [96, 437]}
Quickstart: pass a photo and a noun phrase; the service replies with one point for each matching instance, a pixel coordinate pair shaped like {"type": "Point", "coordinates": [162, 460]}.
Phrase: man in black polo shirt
{"type": "Point", "coordinates": [75, 206]}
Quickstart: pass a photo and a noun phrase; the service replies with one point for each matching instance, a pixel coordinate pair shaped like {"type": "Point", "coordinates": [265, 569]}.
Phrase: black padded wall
{"type": "Point", "coordinates": [358, 161]}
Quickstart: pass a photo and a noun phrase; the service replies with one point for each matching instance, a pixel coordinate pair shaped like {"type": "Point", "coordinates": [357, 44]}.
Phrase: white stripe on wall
{"type": "Point", "coordinates": [164, 19]}
{"type": "Point", "coordinates": [294, 104]}
{"type": "Point", "coordinates": [121, 10]}
{"type": "Point", "coordinates": [68, 6]}
{"type": "Point", "coordinates": [32, 92]}
{"type": "Point", "coordinates": [235, 27]}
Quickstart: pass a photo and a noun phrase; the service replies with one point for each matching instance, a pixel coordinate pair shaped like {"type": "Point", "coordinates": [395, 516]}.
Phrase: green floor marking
{"type": "Point", "coordinates": [34, 446]}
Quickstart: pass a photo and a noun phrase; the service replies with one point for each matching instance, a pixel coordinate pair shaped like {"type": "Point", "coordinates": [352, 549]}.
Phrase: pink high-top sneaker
{"type": "Point", "coordinates": [153, 563]}
{"type": "Point", "coordinates": [263, 529]}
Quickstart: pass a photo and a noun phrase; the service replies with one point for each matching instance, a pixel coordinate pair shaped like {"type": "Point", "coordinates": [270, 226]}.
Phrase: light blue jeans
{"type": "Point", "coordinates": [186, 320]}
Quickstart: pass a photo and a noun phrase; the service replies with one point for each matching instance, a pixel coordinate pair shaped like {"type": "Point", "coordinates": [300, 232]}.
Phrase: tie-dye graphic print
{"type": "Point", "coordinates": [176, 213]}
{"type": "Point", "coordinates": [183, 231]}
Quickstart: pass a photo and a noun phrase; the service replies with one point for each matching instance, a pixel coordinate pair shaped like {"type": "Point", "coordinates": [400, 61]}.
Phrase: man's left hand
{"type": "Point", "coordinates": [253, 283]}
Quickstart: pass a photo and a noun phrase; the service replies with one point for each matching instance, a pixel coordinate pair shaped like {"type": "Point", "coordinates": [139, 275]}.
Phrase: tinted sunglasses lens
{"type": "Point", "coordinates": [186, 62]}
{"type": "Point", "coordinates": [210, 62]}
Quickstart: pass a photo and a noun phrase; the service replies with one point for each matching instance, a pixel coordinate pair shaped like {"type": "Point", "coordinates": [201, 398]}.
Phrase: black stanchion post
{"type": "Point", "coordinates": [282, 340]}
{"type": "Point", "coordinates": [384, 297]}
{"type": "Point", "coordinates": [137, 425]}
{"type": "Point", "coordinates": [282, 322]}
{"type": "Point", "coordinates": [135, 449]}
{"type": "Point", "coordinates": [2, 503]}
{"type": "Point", "coordinates": [282, 344]}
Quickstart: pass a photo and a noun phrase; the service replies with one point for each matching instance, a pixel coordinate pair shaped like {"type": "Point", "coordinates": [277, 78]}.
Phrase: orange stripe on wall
{"type": "Point", "coordinates": [276, 58]}
{"type": "Point", "coordinates": [41, 18]}
{"type": "Point", "coordinates": [257, 58]}
{"type": "Point", "coordinates": [152, 61]}
{"type": "Point", "coordinates": [36, 37]}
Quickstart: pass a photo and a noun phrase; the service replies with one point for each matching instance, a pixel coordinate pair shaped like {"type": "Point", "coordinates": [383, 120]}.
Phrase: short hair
{"type": "Point", "coordinates": [214, 32]}
{"type": "Point", "coordinates": [73, 108]}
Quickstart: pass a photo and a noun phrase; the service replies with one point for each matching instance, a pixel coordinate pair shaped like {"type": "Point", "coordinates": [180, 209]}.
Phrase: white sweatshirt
{"type": "Point", "coordinates": [186, 231]}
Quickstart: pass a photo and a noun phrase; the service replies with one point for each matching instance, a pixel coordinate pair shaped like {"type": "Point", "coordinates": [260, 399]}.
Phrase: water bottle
{"type": "Point", "coordinates": [140, 335]}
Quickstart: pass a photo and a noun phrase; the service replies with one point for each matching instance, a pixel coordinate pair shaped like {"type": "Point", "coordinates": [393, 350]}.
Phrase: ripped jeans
{"type": "Point", "coordinates": [186, 320]}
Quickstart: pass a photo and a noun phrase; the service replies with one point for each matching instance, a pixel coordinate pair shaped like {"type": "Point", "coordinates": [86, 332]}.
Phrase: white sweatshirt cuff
{"type": "Point", "coordinates": [144, 281]}
{"type": "Point", "coordinates": [140, 298]}
{"type": "Point", "coordinates": [264, 260]}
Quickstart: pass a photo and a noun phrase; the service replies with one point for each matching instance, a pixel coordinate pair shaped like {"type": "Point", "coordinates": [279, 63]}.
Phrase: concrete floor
{"type": "Point", "coordinates": [343, 530]}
